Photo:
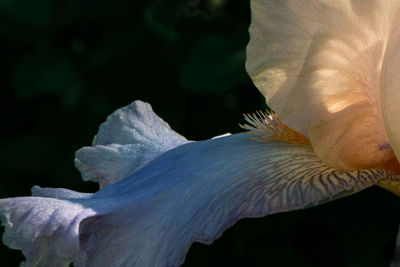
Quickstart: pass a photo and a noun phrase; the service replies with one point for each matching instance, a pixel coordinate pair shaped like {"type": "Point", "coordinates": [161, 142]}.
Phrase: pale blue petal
{"type": "Point", "coordinates": [111, 163]}
{"type": "Point", "coordinates": [137, 123]}
{"type": "Point", "coordinates": [45, 229]}
{"type": "Point", "coordinates": [196, 191]}
{"type": "Point", "coordinates": [190, 193]}
{"type": "Point", "coordinates": [130, 138]}
{"type": "Point", "coordinates": [38, 191]}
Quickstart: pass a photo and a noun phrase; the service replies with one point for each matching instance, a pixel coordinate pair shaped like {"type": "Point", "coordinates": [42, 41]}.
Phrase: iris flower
{"type": "Point", "coordinates": [328, 68]}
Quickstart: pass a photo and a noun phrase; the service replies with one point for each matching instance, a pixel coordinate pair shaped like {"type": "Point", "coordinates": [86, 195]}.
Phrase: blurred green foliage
{"type": "Point", "coordinates": [66, 65]}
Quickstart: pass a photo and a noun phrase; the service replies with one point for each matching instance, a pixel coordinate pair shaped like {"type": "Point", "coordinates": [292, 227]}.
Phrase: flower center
{"type": "Point", "coordinates": [267, 127]}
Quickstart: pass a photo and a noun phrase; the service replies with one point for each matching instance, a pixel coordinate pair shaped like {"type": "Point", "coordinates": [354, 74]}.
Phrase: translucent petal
{"type": "Point", "coordinates": [319, 63]}
{"type": "Point", "coordinates": [189, 194]}
{"type": "Point", "coordinates": [131, 137]}
{"type": "Point", "coordinates": [391, 87]}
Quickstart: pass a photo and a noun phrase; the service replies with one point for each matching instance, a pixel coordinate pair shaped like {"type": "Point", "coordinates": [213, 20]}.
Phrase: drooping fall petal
{"type": "Point", "coordinates": [191, 193]}
{"type": "Point", "coordinates": [319, 65]}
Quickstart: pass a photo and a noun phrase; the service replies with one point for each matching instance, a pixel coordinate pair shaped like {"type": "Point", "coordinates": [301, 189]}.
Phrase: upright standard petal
{"type": "Point", "coordinates": [319, 64]}
{"type": "Point", "coordinates": [189, 194]}
{"type": "Point", "coordinates": [390, 84]}
{"type": "Point", "coordinates": [131, 137]}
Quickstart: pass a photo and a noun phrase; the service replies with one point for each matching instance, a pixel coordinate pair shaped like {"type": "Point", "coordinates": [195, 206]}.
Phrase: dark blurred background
{"type": "Point", "coordinates": [66, 65]}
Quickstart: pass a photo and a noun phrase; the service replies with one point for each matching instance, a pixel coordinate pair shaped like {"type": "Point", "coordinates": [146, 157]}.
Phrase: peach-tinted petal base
{"type": "Point", "coordinates": [319, 65]}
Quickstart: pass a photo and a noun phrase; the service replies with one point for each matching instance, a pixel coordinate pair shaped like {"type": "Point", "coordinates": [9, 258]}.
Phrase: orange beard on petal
{"type": "Point", "coordinates": [267, 127]}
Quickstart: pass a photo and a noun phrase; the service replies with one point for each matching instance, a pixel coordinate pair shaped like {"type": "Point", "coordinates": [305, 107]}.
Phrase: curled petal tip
{"type": "Point", "coordinates": [130, 138]}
